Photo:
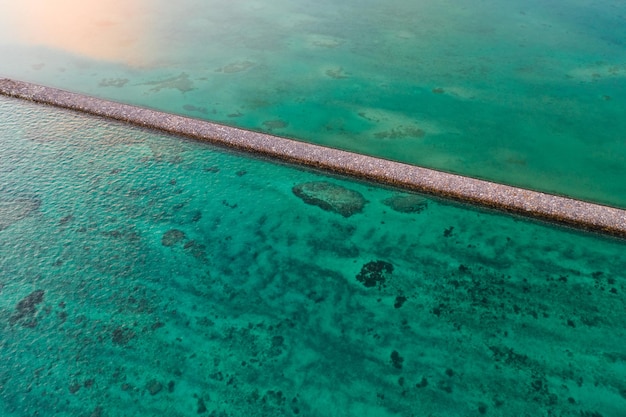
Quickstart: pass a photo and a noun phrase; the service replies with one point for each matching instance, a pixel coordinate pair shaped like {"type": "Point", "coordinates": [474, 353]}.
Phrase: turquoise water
{"type": "Point", "coordinates": [529, 93]}
{"type": "Point", "coordinates": [145, 275]}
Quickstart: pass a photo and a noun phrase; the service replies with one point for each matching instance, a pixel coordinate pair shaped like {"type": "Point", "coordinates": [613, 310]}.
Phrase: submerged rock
{"type": "Point", "coordinates": [275, 124]}
{"type": "Point", "coordinates": [400, 300]}
{"type": "Point", "coordinates": [154, 387]}
{"type": "Point", "coordinates": [330, 197]}
{"type": "Point", "coordinates": [172, 237]}
{"type": "Point", "coordinates": [26, 309]}
{"type": "Point", "coordinates": [181, 83]}
{"type": "Point", "coordinates": [234, 67]}
{"type": "Point", "coordinates": [396, 359]}
{"type": "Point", "coordinates": [201, 406]}
{"type": "Point", "coordinates": [401, 132]}
{"type": "Point", "coordinates": [14, 210]}
{"type": "Point", "coordinates": [121, 336]}
{"type": "Point", "coordinates": [191, 107]}
{"type": "Point", "coordinates": [406, 203]}
{"type": "Point", "coordinates": [113, 82]}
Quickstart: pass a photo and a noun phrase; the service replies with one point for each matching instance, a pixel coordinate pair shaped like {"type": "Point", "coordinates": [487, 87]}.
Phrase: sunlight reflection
{"type": "Point", "coordinates": [115, 30]}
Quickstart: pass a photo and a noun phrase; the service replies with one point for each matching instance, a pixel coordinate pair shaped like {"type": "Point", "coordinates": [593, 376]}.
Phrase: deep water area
{"type": "Point", "coordinates": [148, 275]}
{"type": "Point", "coordinates": [529, 93]}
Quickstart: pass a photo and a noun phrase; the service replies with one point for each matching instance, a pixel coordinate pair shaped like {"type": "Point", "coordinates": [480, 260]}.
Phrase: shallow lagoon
{"type": "Point", "coordinates": [527, 93]}
{"type": "Point", "coordinates": [142, 274]}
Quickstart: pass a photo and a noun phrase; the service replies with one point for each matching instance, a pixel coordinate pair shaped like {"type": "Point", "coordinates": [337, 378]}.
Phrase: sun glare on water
{"type": "Point", "coordinates": [115, 30]}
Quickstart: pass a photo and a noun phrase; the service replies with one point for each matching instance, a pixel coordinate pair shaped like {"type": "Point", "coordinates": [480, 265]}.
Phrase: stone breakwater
{"type": "Point", "coordinates": [562, 210]}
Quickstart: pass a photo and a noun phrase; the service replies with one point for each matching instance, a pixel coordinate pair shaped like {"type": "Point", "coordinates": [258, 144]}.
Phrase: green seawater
{"type": "Point", "coordinates": [528, 93]}
{"type": "Point", "coordinates": [147, 275]}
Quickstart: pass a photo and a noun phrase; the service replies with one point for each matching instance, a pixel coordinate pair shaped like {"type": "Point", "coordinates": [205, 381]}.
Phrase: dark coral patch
{"type": "Point", "coordinates": [400, 300]}
{"type": "Point", "coordinates": [26, 309]}
{"type": "Point", "coordinates": [396, 359]}
{"type": "Point", "coordinates": [375, 273]}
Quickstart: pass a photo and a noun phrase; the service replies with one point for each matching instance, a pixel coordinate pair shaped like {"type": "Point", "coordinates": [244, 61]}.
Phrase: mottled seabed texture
{"type": "Point", "coordinates": [145, 275]}
{"type": "Point", "coordinates": [528, 93]}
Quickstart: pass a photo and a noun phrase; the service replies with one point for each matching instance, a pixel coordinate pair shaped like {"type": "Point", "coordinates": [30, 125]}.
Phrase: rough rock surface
{"type": "Point", "coordinates": [330, 197]}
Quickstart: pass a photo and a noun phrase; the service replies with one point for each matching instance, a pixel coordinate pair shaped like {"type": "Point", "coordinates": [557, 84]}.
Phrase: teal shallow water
{"type": "Point", "coordinates": [526, 93]}
{"type": "Point", "coordinates": [145, 275]}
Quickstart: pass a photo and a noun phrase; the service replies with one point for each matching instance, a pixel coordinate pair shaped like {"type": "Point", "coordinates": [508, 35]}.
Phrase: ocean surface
{"type": "Point", "coordinates": [528, 93]}
{"type": "Point", "coordinates": [149, 275]}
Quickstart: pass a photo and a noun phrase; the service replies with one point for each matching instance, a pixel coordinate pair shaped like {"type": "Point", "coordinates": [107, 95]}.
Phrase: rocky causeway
{"type": "Point", "coordinates": [542, 206]}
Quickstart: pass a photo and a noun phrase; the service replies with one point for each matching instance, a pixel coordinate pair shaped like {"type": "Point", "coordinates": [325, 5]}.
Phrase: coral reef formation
{"type": "Point", "coordinates": [406, 203]}
{"type": "Point", "coordinates": [375, 273]}
{"type": "Point", "coordinates": [331, 197]}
